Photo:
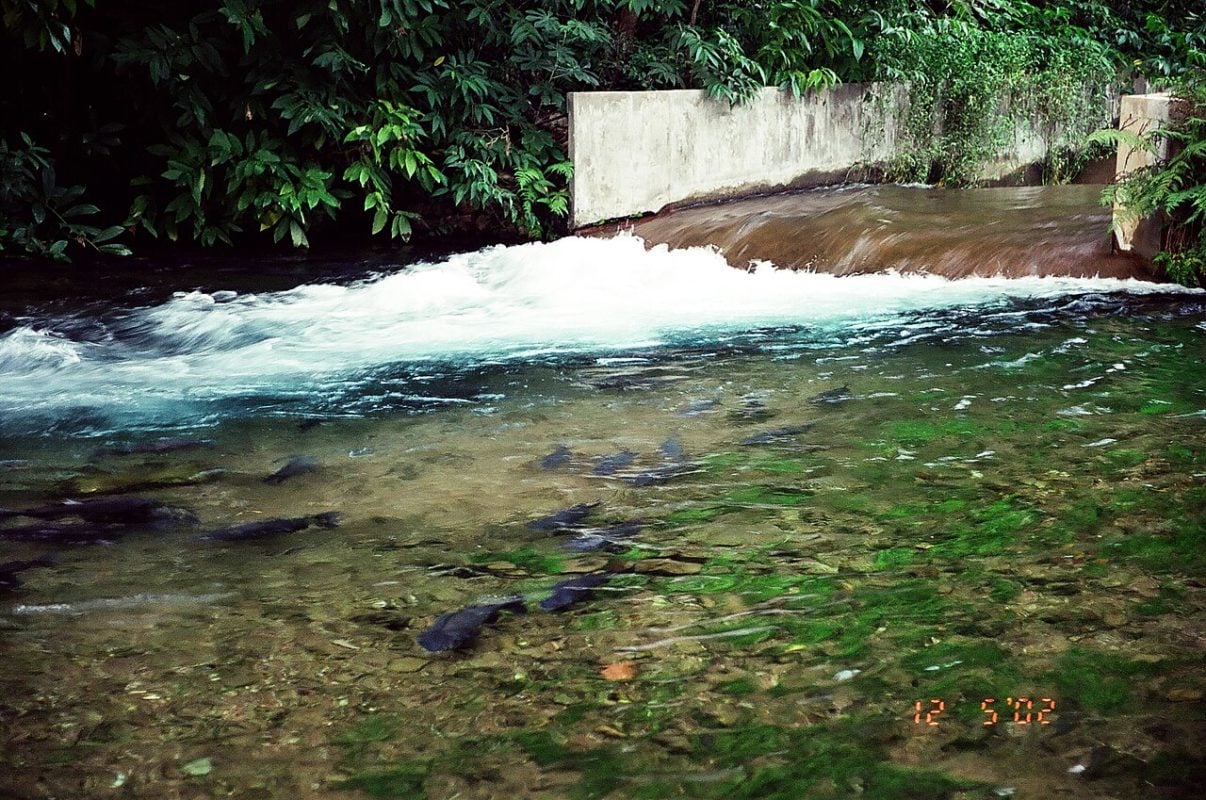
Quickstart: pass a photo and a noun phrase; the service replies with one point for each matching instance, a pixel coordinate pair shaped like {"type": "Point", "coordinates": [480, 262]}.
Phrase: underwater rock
{"type": "Point", "coordinates": [390, 620]}
{"type": "Point", "coordinates": [272, 527]}
{"type": "Point", "coordinates": [456, 629]}
{"type": "Point", "coordinates": [667, 566]}
{"type": "Point", "coordinates": [297, 465]}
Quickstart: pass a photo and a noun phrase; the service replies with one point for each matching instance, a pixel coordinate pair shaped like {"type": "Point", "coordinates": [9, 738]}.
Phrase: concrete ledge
{"type": "Point", "coordinates": [636, 152]}
{"type": "Point", "coordinates": [1141, 114]}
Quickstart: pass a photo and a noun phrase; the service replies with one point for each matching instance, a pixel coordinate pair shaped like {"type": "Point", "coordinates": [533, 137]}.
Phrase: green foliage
{"type": "Point", "coordinates": [978, 74]}
{"type": "Point", "coordinates": [1098, 681]}
{"type": "Point", "coordinates": [1173, 188]}
{"type": "Point", "coordinates": [41, 217]}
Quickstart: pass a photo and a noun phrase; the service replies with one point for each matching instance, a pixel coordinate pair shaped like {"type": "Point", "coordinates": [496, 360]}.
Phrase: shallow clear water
{"type": "Point", "coordinates": [985, 489]}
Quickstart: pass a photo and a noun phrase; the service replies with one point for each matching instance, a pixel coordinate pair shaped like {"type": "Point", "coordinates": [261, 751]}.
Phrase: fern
{"type": "Point", "coordinates": [1175, 186]}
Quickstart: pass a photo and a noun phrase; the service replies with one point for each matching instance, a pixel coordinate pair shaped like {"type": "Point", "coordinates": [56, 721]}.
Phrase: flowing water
{"type": "Point", "coordinates": [881, 535]}
{"type": "Point", "coordinates": [1034, 230]}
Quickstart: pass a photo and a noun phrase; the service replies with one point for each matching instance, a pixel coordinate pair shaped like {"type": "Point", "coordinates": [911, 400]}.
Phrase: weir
{"type": "Point", "coordinates": [955, 233]}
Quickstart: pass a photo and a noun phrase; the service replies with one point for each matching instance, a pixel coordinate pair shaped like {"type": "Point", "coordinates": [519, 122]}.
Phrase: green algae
{"type": "Point", "coordinates": [527, 558]}
{"type": "Point", "coordinates": [739, 687]}
{"type": "Point", "coordinates": [1003, 590]}
{"type": "Point", "coordinates": [1099, 681]}
{"type": "Point", "coordinates": [843, 759]}
{"type": "Point", "coordinates": [985, 530]}
{"type": "Point", "coordinates": [893, 558]}
{"type": "Point", "coordinates": [400, 782]}
{"type": "Point", "coordinates": [596, 621]}
{"type": "Point", "coordinates": [601, 769]}
{"type": "Point", "coordinates": [1181, 550]}
{"type": "Point", "coordinates": [780, 466]}
{"type": "Point", "coordinates": [1125, 458]}
{"type": "Point", "coordinates": [693, 516]}
{"type": "Point", "coordinates": [746, 496]}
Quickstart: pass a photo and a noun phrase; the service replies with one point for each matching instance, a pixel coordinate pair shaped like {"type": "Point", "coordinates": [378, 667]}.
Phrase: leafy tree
{"type": "Point", "coordinates": [216, 121]}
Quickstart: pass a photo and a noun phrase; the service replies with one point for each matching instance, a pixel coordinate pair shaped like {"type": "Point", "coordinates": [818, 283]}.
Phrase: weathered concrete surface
{"type": "Point", "coordinates": [1140, 114]}
{"type": "Point", "coordinates": [636, 152]}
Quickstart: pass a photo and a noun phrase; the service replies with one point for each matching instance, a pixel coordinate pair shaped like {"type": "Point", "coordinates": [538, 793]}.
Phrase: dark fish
{"type": "Point", "coordinates": [273, 527]}
{"type": "Point", "coordinates": [10, 569]}
{"type": "Point", "coordinates": [628, 382]}
{"type": "Point", "coordinates": [566, 518]}
{"type": "Point", "coordinates": [672, 449]}
{"type": "Point", "coordinates": [832, 397]}
{"type": "Point", "coordinates": [608, 465]}
{"type": "Point", "coordinates": [157, 447]}
{"type": "Point", "coordinates": [594, 538]}
{"type": "Point", "coordinates": [655, 475]}
{"type": "Point", "coordinates": [753, 408]}
{"type": "Point", "coordinates": [65, 533]}
{"type": "Point", "coordinates": [298, 465]}
{"type": "Point", "coordinates": [458, 628]}
{"type": "Point", "coordinates": [124, 510]}
{"type": "Point", "coordinates": [776, 435]}
{"type": "Point", "coordinates": [697, 407]}
{"type": "Point", "coordinates": [574, 590]}
{"type": "Point", "coordinates": [560, 456]}
{"type": "Point", "coordinates": [309, 424]}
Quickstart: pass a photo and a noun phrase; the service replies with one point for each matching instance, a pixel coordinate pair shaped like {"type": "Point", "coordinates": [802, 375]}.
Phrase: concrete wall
{"type": "Point", "coordinates": [1140, 114]}
{"type": "Point", "coordinates": [637, 152]}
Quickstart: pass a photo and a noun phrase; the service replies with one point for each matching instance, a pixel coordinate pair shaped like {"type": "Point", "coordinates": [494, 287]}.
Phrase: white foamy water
{"type": "Point", "coordinates": [572, 296]}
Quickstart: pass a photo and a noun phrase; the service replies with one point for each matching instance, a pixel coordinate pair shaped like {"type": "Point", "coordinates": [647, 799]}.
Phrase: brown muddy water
{"type": "Point", "coordinates": [898, 537]}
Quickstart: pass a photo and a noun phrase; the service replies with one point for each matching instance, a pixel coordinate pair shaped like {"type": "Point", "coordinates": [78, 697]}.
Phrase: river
{"type": "Point", "coordinates": [883, 535]}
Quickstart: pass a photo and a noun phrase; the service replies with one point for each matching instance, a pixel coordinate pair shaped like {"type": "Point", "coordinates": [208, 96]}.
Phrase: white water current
{"type": "Point", "coordinates": [575, 296]}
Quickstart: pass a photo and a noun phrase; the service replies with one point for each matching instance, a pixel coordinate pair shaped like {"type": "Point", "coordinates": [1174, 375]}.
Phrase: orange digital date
{"type": "Point", "coordinates": [1024, 712]}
